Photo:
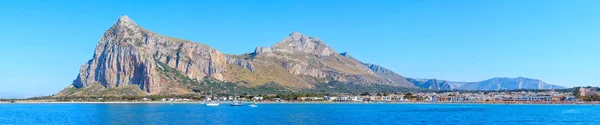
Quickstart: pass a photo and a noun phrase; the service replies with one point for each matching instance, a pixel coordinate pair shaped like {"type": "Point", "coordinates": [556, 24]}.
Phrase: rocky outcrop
{"type": "Point", "coordinates": [128, 54]}
{"type": "Point", "coordinates": [262, 50]}
{"type": "Point", "coordinates": [298, 43]}
{"type": "Point", "coordinates": [246, 64]}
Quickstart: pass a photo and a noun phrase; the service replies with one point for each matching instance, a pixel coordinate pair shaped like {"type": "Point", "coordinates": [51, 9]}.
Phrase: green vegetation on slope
{"type": "Point", "coordinates": [98, 90]}
{"type": "Point", "coordinates": [183, 85]}
{"type": "Point", "coordinates": [340, 87]}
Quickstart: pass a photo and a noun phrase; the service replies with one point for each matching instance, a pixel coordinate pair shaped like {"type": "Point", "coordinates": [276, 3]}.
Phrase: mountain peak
{"type": "Point", "coordinates": [125, 21]}
{"type": "Point", "coordinates": [296, 37]}
{"type": "Point", "coordinates": [296, 34]}
{"type": "Point", "coordinates": [297, 42]}
{"type": "Point", "coordinates": [345, 54]}
{"type": "Point", "coordinates": [513, 78]}
{"type": "Point", "coordinates": [125, 18]}
{"type": "Point", "coordinates": [521, 77]}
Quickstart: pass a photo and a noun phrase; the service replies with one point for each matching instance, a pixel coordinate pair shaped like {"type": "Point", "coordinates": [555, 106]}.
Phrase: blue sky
{"type": "Point", "coordinates": [43, 44]}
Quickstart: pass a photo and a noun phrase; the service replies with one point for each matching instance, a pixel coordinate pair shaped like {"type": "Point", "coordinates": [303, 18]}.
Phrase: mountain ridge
{"type": "Point", "coordinates": [128, 55]}
{"type": "Point", "coordinates": [496, 83]}
{"type": "Point", "coordinates": [131, 60]}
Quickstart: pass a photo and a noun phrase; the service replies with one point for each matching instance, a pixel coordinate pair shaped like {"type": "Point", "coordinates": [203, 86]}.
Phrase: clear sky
{"type": "Point", "coordinates": [42, 45]}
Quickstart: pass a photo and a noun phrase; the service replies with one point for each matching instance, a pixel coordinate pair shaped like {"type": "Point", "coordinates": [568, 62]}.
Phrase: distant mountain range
{"type": "Point", "coordinates": [490, 84]}
{"type": "Point", "coordinates": [435, 84]}
{"type": "Point", "coordinates": [131, 60]}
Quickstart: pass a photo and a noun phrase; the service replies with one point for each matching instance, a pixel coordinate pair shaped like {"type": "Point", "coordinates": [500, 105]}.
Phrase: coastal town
{"type": "Point", "coordinates": [587, 95]}
{"type": "Point", "coordinates": [549, 97]}
{"type": "Point", "coordinates": [523, 97]}
{"type": "Point", "coordinates": [519, 97]}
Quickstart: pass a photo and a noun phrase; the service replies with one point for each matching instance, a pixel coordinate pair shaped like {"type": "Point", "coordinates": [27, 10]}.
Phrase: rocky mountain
{"type": "Point", "coordinates": [385, 73]}
{"type": "Point", "coordinates": [130, 55]}
{"type": "Point", "coordinates": [509, 84]}
{"type": "Point", "coordinates": [396, 78]}
{"type": "Point", "coordinates": [490, 84]}
{"type": "Point", "coordinates": [130, 60]}
{"type": "Point", "coordinates": [302, 61]}
{"type": "Point", "coordinates": [435, 84]}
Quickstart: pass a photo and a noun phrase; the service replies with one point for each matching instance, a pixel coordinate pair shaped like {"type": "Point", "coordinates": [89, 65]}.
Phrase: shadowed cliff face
{"type": "Point", "coordinates": [128, 55]}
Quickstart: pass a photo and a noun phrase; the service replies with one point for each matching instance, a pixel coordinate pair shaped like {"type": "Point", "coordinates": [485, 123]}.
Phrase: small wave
{"type": "Point", "coordinates": [444, 110]}
{"type": "Point", "coordinates": [571, 111]}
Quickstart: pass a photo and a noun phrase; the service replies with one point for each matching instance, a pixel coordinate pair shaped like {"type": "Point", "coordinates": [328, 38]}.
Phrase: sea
{"type": "Point", "coordinates": [298, 114]}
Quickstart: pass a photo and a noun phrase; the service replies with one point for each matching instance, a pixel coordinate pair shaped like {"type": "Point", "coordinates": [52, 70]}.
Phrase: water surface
{"type": "Point", "coordinates": [301, 114]}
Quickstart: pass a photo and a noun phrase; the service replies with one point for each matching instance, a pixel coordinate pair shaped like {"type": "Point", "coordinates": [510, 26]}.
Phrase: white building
{"type": "Point", "coordinates": [343, 98]}
{"type": "Point", "coordinates": [386, 98]}
{"type": "Point", "coordinates": [356, 98]}
{"type": "Point", "coordinates": [257, 98]}
{"type": "Point", "coordinates": [329, 98]}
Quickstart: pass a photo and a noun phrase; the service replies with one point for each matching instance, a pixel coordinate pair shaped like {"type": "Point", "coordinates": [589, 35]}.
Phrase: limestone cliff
{"type": "Point", "coordinates": [128, 54]}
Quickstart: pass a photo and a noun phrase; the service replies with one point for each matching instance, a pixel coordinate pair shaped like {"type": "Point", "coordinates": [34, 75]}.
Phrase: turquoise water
{"type": "Point", "coordinates": [307, 114]}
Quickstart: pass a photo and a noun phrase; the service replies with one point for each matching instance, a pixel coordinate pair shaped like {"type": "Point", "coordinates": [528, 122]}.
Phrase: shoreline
{"type": "Point", "coordinates": [308, 103]}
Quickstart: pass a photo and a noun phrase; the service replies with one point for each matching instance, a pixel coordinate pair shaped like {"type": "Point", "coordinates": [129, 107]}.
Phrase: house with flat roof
{"type": "Point", "coordinates": [588, 91]}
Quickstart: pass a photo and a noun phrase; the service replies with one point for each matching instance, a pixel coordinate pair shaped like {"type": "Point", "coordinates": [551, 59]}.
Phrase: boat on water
{"type": "Point", "coordinates": [212, 103]}
{"type": "Point", "coordinates": [253, 105]}
{"type": "Point", "coordinates": [235, 101]}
